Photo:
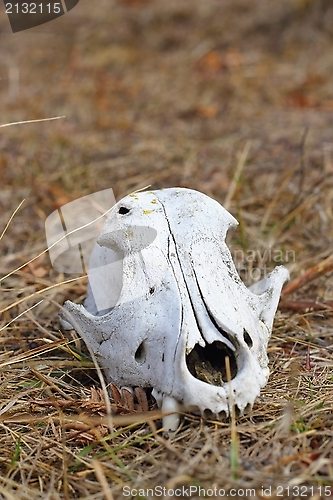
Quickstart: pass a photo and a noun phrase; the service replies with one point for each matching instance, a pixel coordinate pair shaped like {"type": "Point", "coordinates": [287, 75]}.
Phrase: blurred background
{"type": "Point", "coordinates": [231, 98]}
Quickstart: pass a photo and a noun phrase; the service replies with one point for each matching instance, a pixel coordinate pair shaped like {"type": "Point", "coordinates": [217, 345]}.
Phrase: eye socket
{"type": "Point", "coordinates": [123, 210]}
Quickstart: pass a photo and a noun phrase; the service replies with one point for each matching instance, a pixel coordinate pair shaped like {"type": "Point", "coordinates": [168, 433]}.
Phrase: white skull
{"type": "Point", "coordinates": [173, 305]}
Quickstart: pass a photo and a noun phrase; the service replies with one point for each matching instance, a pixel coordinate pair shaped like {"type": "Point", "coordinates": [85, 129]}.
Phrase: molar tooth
{"type": "Point", "coordinates": [208, 414]}
{"type": "Point", "coordinates": [222, 416]}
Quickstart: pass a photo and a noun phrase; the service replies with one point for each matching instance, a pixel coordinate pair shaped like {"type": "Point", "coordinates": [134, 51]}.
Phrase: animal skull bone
{"type": "Point", "coordinates": [180, 308]}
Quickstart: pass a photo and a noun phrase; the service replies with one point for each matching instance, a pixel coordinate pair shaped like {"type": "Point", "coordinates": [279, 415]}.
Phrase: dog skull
{"type": "Point", "coordinates": [174, 307]}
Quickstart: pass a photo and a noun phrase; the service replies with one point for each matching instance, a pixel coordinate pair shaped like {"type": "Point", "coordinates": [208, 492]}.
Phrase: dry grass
{"type": "Point", "coordinates": [166, 94]}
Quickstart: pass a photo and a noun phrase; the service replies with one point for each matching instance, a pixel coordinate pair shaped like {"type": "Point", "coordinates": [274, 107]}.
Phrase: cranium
{"type": "Point", "coordinates": [173, 305]}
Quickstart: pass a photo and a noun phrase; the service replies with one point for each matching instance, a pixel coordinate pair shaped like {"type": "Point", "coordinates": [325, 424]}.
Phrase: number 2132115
{"type": "Point", "coordinates": [33, 8]}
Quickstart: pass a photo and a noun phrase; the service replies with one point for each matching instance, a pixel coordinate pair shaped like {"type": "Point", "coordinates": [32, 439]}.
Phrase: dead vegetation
{"type": "Point", "coordinates": [231, 98]}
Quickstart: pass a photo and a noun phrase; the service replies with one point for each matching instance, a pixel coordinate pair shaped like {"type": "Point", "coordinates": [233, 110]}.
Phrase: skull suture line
{"type": "Point", "coordinates": [180, 307]}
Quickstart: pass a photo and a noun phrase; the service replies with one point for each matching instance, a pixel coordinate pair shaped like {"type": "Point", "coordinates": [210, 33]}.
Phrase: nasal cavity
{"type": "Point", "coordinates": [209, 363]}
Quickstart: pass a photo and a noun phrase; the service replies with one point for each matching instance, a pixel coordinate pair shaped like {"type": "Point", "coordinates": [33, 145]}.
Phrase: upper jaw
{"type": "Point", "coordinates": [204, 382]}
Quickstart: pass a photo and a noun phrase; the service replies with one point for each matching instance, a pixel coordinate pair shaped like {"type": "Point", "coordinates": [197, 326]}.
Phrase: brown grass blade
{"type": "Point", "coordinates": [311, 274]}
